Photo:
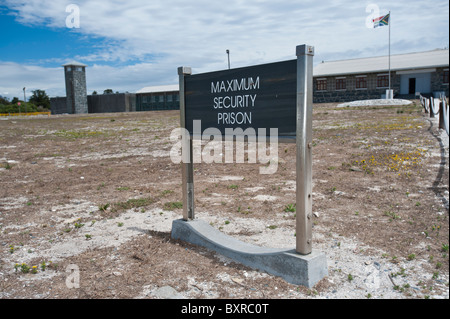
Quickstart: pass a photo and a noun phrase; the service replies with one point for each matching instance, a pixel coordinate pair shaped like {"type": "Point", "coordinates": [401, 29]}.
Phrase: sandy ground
{"type": "Point", "coordinates": [94, 196]}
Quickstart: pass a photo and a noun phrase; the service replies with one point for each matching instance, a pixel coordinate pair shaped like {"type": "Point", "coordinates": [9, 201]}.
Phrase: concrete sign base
{"type": "Point", "coordinates": [305, 270]}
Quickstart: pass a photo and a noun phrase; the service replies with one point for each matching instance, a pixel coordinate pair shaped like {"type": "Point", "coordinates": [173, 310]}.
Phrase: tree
{"type": "Point", "coordinates": [108, 91]}
{"type": "Point", "coordinates": [40, 98]}
{"type": "Point", "coordinates": [94, 93]}
{"type": "Point", "coordinates": [4, 100]}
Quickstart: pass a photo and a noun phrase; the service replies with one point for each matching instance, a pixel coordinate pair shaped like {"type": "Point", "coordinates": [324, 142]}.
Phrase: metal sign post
{"type": "Point", "coordinates": [187, 166]}
{"type": "Point", "coordinates": [271, 96]}
{"type": "Point", "coordinates": [305, 55]}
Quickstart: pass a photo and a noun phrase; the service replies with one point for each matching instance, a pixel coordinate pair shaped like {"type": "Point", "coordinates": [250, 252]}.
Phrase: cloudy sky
{"type": "Point", "coordinates": [131, 44]}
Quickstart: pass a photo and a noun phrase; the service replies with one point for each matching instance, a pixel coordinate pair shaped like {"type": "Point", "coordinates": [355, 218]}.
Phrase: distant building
{"type": "Point", "coordinates": [76, 96]}
{"type": "Point", "coordinates": [151, 98]}
{"type": "Point", "coordinates": [368, 78]}
{"type": "Point", "coordinates": [334, 81]}
{"type": "Point", "coordinates": [349, 80]}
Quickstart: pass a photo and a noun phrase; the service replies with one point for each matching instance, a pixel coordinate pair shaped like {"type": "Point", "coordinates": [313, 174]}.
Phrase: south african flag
{"type": "Point", "coordinates": [381, 21]}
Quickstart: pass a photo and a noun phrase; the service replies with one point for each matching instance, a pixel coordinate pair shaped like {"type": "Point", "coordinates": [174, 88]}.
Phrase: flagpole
{"type": "Point", "coordinates": [389, 22]}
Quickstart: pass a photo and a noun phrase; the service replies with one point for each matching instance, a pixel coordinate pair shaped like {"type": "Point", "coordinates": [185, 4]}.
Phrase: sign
{"type": "Point", "coordinates": [261, 96]}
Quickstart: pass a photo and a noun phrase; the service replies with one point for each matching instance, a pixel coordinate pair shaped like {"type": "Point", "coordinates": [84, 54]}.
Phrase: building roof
{"type": "Point", "coordinates": [409, 61]}
{"type": "Point", "coordinates": [74, 63]}
{"type": "Point", "coordinates": [161, 88]}
{"type": "Point", "coordinates": [399, 62]}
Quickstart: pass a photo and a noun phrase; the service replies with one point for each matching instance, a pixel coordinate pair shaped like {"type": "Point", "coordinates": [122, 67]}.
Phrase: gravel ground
{"type": "Point", "coordinates": [383, 227]}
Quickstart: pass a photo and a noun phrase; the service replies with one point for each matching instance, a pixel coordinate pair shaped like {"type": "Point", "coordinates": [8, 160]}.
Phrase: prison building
{"type": "Point", "coordinates": [97, 103]}
{"type": "Point", "coordinates": [340, 81]}
{"type": "Point", "coordinates": [153, 98]}
{"type": "Point", "coordinates": [368, 78]}
{"type": "Point", "coordinates": [75, 78]}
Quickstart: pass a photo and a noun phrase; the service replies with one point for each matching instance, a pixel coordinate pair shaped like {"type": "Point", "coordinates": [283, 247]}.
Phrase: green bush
{"type": "Point", "coordinates": [24, 107]}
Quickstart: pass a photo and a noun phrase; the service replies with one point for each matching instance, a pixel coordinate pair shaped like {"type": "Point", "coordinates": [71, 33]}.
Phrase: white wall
{"type": "Point", "coordinates": [423, 82]}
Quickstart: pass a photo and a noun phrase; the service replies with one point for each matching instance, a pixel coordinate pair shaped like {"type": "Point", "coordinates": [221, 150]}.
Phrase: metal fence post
{"type": "Point", "coordinates": [187, 169]}
{"type": "Point", "coordinates": [305, 55]}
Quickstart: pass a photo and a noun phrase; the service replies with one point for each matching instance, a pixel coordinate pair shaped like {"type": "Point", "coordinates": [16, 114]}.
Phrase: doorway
{"type": "Point", "coordinates": [412, 86]}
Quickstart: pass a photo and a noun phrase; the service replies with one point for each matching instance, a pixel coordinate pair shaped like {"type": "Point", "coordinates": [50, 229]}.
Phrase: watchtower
{"type": "Point", "coordinates": [76, 96]}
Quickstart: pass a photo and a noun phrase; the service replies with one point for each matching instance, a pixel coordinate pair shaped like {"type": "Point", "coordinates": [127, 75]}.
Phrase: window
{"type": "Point", "coordinates": [340, 83]}
{"type": "Point", "coordinates": [361, 82]}
{"type": "Point", "coordinates": [321, 84]}
{"type": "Point", "coordinates": [169, 97]}
{"type": "Point", "coordinates": [383, 81]}
{"type": "Point", "coordinates": [69, 69]}
{"type": "Point", "coordinates": [445, 77]}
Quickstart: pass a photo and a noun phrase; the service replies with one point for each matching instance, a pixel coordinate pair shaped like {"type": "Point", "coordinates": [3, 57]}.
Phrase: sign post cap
{"type": "Point", "coordinates": [305, 49]}
{"type": "Point", "coordinates": [184, 70]}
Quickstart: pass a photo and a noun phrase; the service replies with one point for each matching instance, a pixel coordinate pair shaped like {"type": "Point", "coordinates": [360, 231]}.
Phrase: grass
{"type": "Point", "coordinates": [134, 203]}
{"type": "Point", "coordinates": [401, 163]}
{"type": "Point", "coordinates": [173, 205]}
{"type": "Point", "coordinates": [392, 215]}
{"type": "Point", "coordinates": [166, 192]}
{"type": "Point", "coordinates": [24, 268]}
{"type": "Point", "coordinates": [103, 207]}
{"type": "Point", "coordinates": [129, 204]}
{"type": "Point", "coordinates": [77, 134]}
{"type": "Point", "coordinates": [290, 208]}
{"type": "Point", "coordinates": [78, 225]}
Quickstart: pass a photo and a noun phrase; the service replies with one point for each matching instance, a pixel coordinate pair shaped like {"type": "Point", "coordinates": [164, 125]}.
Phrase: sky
{"type": "Point", "coordinates": [132, 44]}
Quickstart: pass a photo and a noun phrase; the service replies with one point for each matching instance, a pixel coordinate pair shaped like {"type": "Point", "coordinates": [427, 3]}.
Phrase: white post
{"type": "Point", "coordinates": [187, 169]}
{"type": "Point", "coordinates": [305, 55]}
{"type": "Point", "coordinates": [389, 96]}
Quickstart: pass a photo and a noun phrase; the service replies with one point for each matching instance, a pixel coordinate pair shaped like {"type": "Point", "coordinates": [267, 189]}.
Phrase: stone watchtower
{"type": "Point", "coordinates": [76, 96]}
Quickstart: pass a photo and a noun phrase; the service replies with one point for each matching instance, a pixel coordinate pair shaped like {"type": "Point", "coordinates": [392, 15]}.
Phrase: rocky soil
{"type": "Point", "coordinates": [87, 204]}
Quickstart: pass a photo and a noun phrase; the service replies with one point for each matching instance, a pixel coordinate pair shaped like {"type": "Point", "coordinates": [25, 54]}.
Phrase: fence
{"type": "Point", "coordinates": [25, 114]}
{"type": "Point", "coordinates": [437, 107]}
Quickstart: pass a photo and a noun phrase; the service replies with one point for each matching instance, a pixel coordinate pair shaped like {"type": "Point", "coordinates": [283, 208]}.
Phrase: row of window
{"type": "Point", "coordinates": [360, 83]}
{"type": "Point", "coordinates": [77, 68]}
{"type": "Point", "coordinates": [160, 98]}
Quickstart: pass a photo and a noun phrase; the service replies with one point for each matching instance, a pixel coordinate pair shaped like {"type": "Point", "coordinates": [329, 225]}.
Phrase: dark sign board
{"type": "Point", "coordinates": [261, 96]}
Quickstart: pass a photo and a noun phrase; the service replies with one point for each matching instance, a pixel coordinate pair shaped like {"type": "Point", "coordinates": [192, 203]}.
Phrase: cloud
{"type": "Point", "coordinates": [143, 42]}
{"type": "Point", "coordinates": [14, 77]}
